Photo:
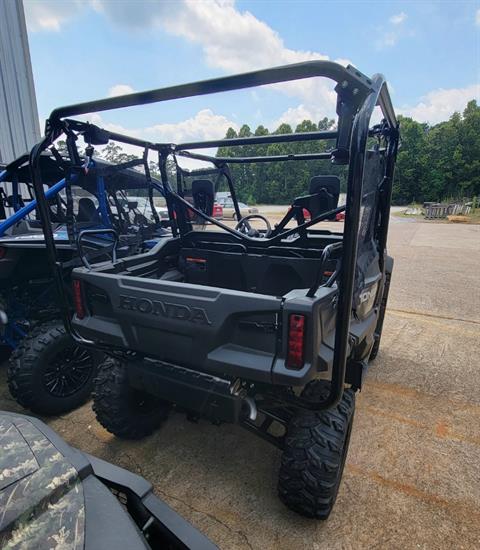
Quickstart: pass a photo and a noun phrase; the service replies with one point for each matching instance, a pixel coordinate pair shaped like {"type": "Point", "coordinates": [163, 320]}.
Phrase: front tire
{"type": "Point", "coordinates": [316, 447]}
{"type": "Point", "coordinates": [49, 373]}
{"type": "Point", "coordinates": [124, 411]}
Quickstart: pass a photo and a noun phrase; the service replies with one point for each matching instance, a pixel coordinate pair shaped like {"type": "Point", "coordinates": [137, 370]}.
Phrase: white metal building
{"type": "Point", "coordinates": [19, 126]}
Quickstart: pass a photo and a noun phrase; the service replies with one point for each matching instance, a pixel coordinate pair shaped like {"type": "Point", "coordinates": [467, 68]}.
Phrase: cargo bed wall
{"type": "Point", "coordinates": [217, 330]}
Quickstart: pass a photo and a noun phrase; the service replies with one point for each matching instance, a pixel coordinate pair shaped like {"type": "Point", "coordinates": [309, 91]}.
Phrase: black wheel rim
{"type": "Point", "coordinates": [68, 372]}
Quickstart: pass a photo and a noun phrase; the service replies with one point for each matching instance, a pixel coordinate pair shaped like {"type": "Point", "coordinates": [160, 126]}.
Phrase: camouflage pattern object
{"type": "Point", "coordinates": [41, 496]}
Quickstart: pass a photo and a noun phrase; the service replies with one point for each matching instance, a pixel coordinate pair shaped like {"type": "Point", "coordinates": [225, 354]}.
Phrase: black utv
{"type": "Point", "coordinates": [270, 328]}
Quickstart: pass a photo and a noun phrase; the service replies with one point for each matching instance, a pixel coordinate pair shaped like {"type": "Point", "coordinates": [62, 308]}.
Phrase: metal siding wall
{"type": "Point", "coordinates": [19, 126]}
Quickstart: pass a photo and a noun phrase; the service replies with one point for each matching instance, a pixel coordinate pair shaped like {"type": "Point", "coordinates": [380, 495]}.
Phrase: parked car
{"type": "Point", "coordinates": [306, 214]}
{"type": "Point", "coordinates": [229, 210]}
{"type": "Point", "coordinates": [217, 211]}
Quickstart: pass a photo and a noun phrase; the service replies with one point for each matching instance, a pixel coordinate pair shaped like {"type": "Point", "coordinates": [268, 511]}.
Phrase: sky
{"type": "Point", "coordinates": [429, 52]}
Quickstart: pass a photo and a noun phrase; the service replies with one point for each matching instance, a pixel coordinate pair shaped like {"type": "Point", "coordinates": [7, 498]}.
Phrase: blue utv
{"type": "Point", "coordinates": [105, 211]}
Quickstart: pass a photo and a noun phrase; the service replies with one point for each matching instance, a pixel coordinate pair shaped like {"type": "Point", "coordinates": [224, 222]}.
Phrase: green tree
{"type": "Point", "coordinates": [469, 179]}
{"type": "Point", "coordinates": [409, 171]}
{"type": "Point", "coordinates": [434, 162]}
{"type": "Point", "coordinates": [61, 146]}
{"type": "Point", "coordinates": [115, 154]}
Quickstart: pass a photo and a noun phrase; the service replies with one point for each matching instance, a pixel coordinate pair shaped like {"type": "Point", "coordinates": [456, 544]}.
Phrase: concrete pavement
{"type": "Point", "coordinates": [412, 478]}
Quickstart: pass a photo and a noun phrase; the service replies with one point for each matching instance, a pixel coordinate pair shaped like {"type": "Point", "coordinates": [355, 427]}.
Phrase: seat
{"type": "Point", "coordinates": [203, 195]}
{"type": "Point", "coordinates": [324, 193]}
{"type": "Point", "coordinates": [87, 211]}
{"type": "Point", "coordinates": [10, 201]}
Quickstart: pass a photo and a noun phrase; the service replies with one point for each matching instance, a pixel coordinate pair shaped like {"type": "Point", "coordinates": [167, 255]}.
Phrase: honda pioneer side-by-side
{"type": "Point", "coordinates": [268, 326]}
{"type": "Point", "coordinates": [48, 372]}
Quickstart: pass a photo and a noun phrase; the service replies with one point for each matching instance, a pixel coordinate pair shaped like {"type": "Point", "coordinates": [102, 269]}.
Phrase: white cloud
{"type": "Point", "coordinates": [230, 39]}
{"type": "Point", "coordinates": [388, 39]}
{"type": "Point", "coordinates": [50, 15]}
{"type": "Point", "coordinates": [135, 14]}
{"type": "Point", "coordinates": [393, 31]}
{"type": "Point", "coordinates": [236, 41]}
{"type": "Point", "coordinates": [439, 105]}
{"type": "Point", "coordinates": [296, 115]}
{"type": "Point", "coordinates": [398, 19]}
{"type": "Point", "coordinates": [120, 89]}
{"type": "Point", "coordinates": [477, 18]}
{"type": "Point", "coordinates": [233, 40]}
{"type": "Point", "coordinates": [205, 125]}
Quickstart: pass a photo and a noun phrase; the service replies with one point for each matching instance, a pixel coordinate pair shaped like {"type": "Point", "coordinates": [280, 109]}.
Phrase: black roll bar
{"type": "Point", "coordinates": [258, 140]}
{"type": "Point", "coordinates": [350, 243]}
{"type": "Point", "coordinates": [326, 155]}
{"type": "Point", "coordinates": [82, 127]}
{"type": "Point", "coordinates": [348, 78]}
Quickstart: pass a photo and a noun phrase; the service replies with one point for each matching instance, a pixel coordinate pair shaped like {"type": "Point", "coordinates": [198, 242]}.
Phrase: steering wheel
{"type": "Point", "coordinates": [244, 227]}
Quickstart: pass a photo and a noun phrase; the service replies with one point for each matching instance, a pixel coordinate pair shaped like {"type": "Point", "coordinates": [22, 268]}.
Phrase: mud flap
{"type": "Point", "coordinates": [355, 373]}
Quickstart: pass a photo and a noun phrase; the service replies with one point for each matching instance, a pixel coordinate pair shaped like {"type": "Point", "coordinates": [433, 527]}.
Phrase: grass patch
{"type": "Point", "coordinates": [474, 217]}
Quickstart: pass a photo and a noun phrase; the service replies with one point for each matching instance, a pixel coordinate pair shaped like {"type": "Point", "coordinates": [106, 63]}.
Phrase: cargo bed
{"type": "Point", "coordinates": [220, 312]}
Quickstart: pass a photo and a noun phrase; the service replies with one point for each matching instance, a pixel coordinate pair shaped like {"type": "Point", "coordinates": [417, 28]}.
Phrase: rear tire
{"type": "Point", "coordinates": [316, 447]}
{"type": "Point", "coordinates": [49, 373]}
{"type": "Point", "coordinates": [124, 411]}
{"type": "Point", "coordinates": [381, 318]}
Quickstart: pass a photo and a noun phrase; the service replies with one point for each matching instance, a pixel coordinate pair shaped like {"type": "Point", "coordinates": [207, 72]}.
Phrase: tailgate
{"type": "Point", "coordinates": [227, 332]}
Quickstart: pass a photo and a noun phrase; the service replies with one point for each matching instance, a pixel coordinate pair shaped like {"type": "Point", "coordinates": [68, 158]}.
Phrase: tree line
{"type": "Point", "coordinates": [435, 162]}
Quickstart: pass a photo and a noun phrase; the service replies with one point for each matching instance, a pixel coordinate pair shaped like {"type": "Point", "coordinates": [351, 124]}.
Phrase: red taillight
{"type": "Point", "coordinates": [3, 252]}
{"type": "Point", "coordinates": [78, 298]}
{"type": "Point", "coordinates": [296, 341]}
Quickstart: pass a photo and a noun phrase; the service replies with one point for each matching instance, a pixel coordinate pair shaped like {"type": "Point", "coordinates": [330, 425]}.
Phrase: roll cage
{"type": "Point", "coordinates": [105, 182]}
{"type": "Point", "coordinates": [357, 96]}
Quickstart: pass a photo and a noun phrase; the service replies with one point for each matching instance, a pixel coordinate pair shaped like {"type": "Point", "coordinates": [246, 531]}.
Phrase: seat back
{"type": "Point", "coordinates": [87, 211]}
{"type": "Point", "coordinates": [10, 201]}
{"type": "Point", "coordinates": [203, 195]}
{"type": "Point", "coordinates": [324, 194]}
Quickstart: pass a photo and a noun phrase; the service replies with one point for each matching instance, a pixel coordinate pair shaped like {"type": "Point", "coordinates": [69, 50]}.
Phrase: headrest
{"type": "Point", "coordinates": [87, 211]}
{"type": "Point", "coordinates": [203, 186]}
{"type": "Point", "coordinates": [86, 202]}
{"type": "Point", "coordinates": [331, 184]}
{"type": "Point", "coordinates": [203, 194]}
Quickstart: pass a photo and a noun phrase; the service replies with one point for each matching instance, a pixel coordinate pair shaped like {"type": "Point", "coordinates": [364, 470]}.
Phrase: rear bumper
{"type": "Point", "coordinates": [221, 332]}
